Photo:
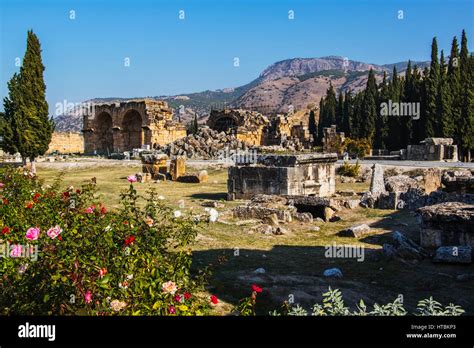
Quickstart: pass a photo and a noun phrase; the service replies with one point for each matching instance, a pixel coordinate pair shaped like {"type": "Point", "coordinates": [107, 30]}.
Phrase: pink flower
{"type": "Point", "coordinates": [89, 210]}
{"type": "Point", "coordinates": [171, 309]}
{"type": "Point", "coordinates": [32, 233]}
{"type": "Point", "coordinates": [16, 251]}
{"type": "Point", "coordinates": [1, 185]}
{"type": "Point", "coordinates": [102, 272]}
{"type": "Point", "coordinates": [131, 178]}
{"type": "Point", "coordinates": [53, 232]}
{"type": "Point", "coordinates": [169, 288]}
{"type": "Point", "coordinates": [88, 297]}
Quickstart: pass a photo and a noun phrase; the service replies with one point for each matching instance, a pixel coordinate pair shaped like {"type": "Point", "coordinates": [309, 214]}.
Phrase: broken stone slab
{"type": "Point", "coordinates": [303, 217]}
{"type": "Point", "coordinates": [453, 254]}
{"type": "Point", "coordinates": [444, 224]}
{"type": "Point", "coordinates": [377, 184]}
{"type": "Point", "coordinates": [263, 229]}
{"type": "Point", "coordinates": [328, 214]}
{"type": "Point", "coordinates": [460, 181]}
{"type": "Point", "coordinates": [356, 231]}
{"type": "Point", "coordinates": [400, 183]}
{"type": "Point", "coordinates": [407, 248]}
{"type": "Point", "coordinates": [272, 220]}
{"type": "Point", "coordinates": [195, 178]}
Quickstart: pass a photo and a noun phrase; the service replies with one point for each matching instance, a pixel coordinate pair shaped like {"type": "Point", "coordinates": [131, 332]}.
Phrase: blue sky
{"type": "Point", "coordinates": [84, 57]}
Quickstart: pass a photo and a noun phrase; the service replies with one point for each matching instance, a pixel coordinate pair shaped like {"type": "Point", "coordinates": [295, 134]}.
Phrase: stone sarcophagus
{"type": "Point", "coordinates": [305, 174]}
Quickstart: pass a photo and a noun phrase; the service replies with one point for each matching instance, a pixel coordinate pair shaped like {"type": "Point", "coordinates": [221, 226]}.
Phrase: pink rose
{"type": "Point", "coordinates": [169, 287]}
{"type": "Point", "coordinates": [53, 232]}
{"type": "Point", "coordinates": [16, 251]}
{"type": "Point", "coordinates": [88, 297]}
{"type": "Point", "coordinates": [32, 233]}
{"type": "Point", "coordinates": [132, 178]}
{"type": "Point", "coordinates": [1, 185]}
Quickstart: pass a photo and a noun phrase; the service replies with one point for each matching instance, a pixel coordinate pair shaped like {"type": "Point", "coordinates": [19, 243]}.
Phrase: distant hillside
{"type": "Point", "coordinates": [297, 82]}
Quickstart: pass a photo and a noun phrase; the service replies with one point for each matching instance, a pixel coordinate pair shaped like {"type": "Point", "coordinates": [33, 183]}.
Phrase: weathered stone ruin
{"type": "Point", "coordinates": [333, 140]}
{"type": "Point", "coordinates": [130, 125]}
{"type": "Point", "coordinates": [432, 149]}
{"type": "Point", "coordinates": [154, 166]}
{"type": "Point", "coordinates": [305, 174]}
{"type": "Point", "coordinates": [404, 192]}
{"type": "Point", "coordinates": [445, 224]}
{"type": "Point", "coordinates": [177, 167]}
{"type": "Point", "coordinates": [247, 126]}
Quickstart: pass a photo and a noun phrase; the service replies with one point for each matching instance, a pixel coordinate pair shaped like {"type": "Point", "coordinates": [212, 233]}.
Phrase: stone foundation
{"type": "Point", "coordinates": [447, 224]}
{"type": "Point", "coordinates": [312, 174]}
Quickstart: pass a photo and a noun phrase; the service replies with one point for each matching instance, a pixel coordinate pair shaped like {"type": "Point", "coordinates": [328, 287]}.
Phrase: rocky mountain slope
{"type": "Point", "coordinates": [298, 82]}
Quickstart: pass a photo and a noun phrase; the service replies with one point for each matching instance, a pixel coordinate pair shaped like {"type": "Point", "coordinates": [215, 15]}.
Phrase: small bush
{"type": "Point", "coordinates": [358, 148]}
{"type": "Point", "coordinates": [133, 261]}
{"type": "Point", "coordinates": [349, 170]}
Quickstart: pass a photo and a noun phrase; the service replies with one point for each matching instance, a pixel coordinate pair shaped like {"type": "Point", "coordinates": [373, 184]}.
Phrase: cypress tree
{"type": "Point", "coordinates": [466, 126]}
{"type": "Point", "coordinates": [340, 111]}
{"type": "Point", "coordinates": [381, 124]}
{"type": "Point", "coordinates": [26, 119]}
{"type": "Point", "coordinates": [312, 124]}
{"type": "Point", "coordinates": [347, 114]}
{"type": "Point", "coordinates": [195, 124]}
{"type": "Point", "coordinates": [432, 93]}
{"type": "Point", "coordinates": [454, 81]}
{"type": "Point", "coordinates": [370, 108]}
{"type": "Point", "coordinates": [445, 102]}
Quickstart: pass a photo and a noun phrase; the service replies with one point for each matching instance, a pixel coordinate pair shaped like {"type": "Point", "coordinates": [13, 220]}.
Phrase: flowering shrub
{"type": "Point", "coordinates": [65, 253]}
{"type": "Point", "coordinates": [333, 304]}
{"type": "Point", "coordinates": [246, 306]}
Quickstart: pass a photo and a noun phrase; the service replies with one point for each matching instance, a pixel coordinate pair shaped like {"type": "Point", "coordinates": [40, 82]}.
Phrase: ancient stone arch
{"type": "Point", "coordinates": [105, 133]}
{"type": "Point", "coordinates": [126, 126]}
{"type": "Point", "coordinates": [132, 132]}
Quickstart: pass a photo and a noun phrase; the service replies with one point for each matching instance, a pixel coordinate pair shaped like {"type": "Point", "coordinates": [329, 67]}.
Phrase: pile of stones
{"type": "Point", "coordinates": [205, 144]}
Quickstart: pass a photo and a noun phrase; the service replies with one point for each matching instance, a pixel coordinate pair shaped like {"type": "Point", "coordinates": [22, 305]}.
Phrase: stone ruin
{"type": "Point", "coordinates": [446, 224]}
{"type": "Point", "coordinates": [432, 149]}
{"type": "Point", "coordinates": [332, 140]}
{"type": "Point", "coordinates": [155, 167]}
{"type": "Point", "coordinates": [119, 127]}
{"type": "Point", "coordinates": [305, 174]}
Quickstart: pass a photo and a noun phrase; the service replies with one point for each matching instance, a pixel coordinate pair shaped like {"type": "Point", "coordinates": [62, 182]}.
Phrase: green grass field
{"type": "Point", "coordinates": [294, 262]}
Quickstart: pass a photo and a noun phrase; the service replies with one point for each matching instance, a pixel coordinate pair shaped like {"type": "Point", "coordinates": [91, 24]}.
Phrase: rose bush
{"type": "Point", "coordinates": [65, 253]}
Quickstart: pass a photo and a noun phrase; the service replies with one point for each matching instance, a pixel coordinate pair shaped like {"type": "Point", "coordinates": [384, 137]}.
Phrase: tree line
{"type": "Point", "coordinates": [437, 101]}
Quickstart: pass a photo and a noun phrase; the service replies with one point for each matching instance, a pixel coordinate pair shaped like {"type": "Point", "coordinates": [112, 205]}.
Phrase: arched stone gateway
{"type": "Point", "coordinates": [126, 126]}
{"type": "Point", "coordinates": [132, 133]}
{"type": "Point", "coordinates": [105, 133]}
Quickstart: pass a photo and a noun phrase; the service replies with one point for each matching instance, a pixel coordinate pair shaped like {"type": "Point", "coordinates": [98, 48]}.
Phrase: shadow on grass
{"type": "Point", "coordinates": [212, 196]}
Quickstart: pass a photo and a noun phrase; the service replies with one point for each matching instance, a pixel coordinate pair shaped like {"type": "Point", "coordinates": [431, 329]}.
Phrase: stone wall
{"type": "Point", "coordinates": [66, 142]}
{"type": "Point", "coordinates": [432, 149]}
{"type": "Point", "coordinates": [310, 174]}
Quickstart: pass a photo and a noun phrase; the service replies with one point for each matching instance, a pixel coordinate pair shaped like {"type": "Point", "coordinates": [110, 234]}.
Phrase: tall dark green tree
{"type": "Point", "coordinates": [328, 109]}
{"type": "Point", "coordinates": [454, 80]}
{"type": "Point", "coordinates": [26, 109]}
{"type": "Point", "coordinates": [381, 123]}
{"type": "Point", "coordinates": [312, 124]}
{"type": "Point", "coordinates": [347, 113]}
{"type": "Point", "coordinates": [445, 101]}
{"type": "Point", "coordinates": [432, 93]}
{"type": "Point", "coordinates": [466, 124]}
{"type": "Point", "coordinates": [370, 108]}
